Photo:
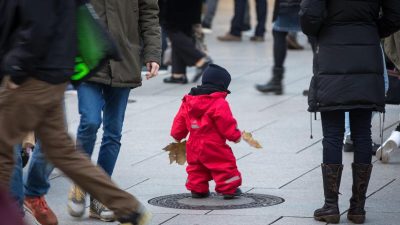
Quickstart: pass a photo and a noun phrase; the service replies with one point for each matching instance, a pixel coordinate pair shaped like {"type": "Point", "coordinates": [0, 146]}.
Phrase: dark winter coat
{"type": "Point", "coordinates": [134, 25]}
{"type": "Point", "coordinates": [38, 39]}
{"type": "Point", "coordinates": [181, 15]}
{"type": "Point", "coordinates": [283, 5]}
{"type": "Point", "coordinates": [348, 62]}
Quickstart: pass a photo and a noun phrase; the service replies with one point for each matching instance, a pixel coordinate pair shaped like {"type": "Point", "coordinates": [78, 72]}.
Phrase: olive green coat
{"type": "Point", "coordinates": [392, 48]}
{"type": "Point", "coordinates": [135, 27]}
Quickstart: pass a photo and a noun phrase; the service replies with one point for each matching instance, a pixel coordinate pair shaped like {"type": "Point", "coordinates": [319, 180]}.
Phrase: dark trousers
{"type": "Point", "coordinates": [239, 15]}
{"type": "Point", "coordinates": [333, 129]}
{"type": "Point", "coordinates": [164, 43]}
{"type": "Point", "coordinates": [184, 51]}
{"type": "Point", "coordinates": [280, 48]}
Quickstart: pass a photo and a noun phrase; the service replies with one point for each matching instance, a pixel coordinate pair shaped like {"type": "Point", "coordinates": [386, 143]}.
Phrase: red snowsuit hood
{"type": "Point", "coordinates": [208, 115]}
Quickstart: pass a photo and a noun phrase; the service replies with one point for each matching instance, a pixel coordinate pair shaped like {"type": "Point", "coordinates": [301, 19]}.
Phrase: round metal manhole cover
{"type": "Point", "coordinates": [216, 202]}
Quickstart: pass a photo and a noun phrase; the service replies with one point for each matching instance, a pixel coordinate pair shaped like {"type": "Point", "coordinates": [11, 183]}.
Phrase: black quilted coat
{"type": "Point", "coordinates": [348, 62]}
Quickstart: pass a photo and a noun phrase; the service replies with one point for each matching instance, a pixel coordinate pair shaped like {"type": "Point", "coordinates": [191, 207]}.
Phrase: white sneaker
{"type": "Point", "coordinates": [76, 202]}
{"type": "Point", "coordinates": [206, 30]}
{"type": "Point", "coordinates": [393, 142]}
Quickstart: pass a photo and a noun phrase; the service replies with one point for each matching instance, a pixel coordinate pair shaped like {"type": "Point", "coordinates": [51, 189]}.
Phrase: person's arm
{"type": "Point", "coordinates": [151, 35]}
{"type": "Point", "coordinates": [179, 129]}
{"type": "Point", "coordinates": [312, 15]}
{"type": "Point", "coordinates": [32, 39]}
{"type": "Point", "coordinates": [226, 123]}
{"type": "Point", "coordinates": [390, 20]}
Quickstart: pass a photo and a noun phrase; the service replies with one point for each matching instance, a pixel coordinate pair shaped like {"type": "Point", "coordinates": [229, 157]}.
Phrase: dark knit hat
{"type": "Point", "coordinates": [217, 76]}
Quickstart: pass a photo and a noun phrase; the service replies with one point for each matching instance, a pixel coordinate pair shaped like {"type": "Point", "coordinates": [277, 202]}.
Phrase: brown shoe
{"type": "Point", "coordinates": [38, 207]}
{"type": "Point", "coordinates": [229, 37]}
{"type": "Point", "coordinates": [293, 44]}
{"type": "Point", "coordinates": [257, 39]}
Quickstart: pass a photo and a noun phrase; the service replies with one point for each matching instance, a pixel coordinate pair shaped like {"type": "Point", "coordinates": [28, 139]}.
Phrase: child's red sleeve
{"type": "Point", "coordinates": [225, 122]}
{"type": "Point", "coordinates": [179, 130]}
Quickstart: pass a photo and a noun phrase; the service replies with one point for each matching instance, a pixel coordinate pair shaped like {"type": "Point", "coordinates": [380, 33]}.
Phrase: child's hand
{"type": "Point", "coordinates": [238, 140]}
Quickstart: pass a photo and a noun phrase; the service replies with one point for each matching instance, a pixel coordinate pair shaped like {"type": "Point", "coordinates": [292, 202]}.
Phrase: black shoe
{"type": "Point", "coordinates": [173, 80]}
{"type": "Point", "coordinates": [237, 193]}
{"type": "Point", "coordinates": [375, 147]}
{"type": "Point", "coordinates": [200, 70]}
{"type": "Point", "coordinates": [200, 195]}
{"type": "Point", "coordinates": [257, 39]}
{"type": "Point", "coordinates": [347, 147]}
{"type": "Point", "coordinates": [305, 92]}
{"type": "Point", "coordinates": [275, 84]}
{"type": "Point", "coordinates": [270, 87]}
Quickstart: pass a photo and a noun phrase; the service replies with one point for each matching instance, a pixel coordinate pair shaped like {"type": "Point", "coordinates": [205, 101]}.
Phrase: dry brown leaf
{"type": "Point", "coordinates": [177, 152]}
{"type": "Point", "coordinates": [248, 137]}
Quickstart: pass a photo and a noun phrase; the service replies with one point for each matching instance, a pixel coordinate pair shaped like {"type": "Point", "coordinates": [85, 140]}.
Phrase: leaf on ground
{"type": "Point", "coordinates": [177, 152]}
{"type": "Point", "coordinates": [248, 137]}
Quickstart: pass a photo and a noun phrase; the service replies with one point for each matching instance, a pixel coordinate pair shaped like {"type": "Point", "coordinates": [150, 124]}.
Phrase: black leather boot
{"type": "Point", "coordinates": [361, 175]}
{"type": "Point", "coordinates": [275, 84]}
{"type": "Point", "coordinates": [331, 174]}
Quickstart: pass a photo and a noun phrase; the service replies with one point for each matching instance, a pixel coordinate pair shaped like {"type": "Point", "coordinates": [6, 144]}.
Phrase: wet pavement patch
{"type": "Point", "coordinates": [216, 202]}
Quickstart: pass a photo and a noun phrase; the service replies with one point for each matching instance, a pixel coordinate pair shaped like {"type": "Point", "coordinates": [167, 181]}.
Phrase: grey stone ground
{"type": "Point", "coordinates": [288, 166]}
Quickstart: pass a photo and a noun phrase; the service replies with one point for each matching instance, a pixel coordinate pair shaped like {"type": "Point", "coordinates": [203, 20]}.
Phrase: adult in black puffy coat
{"type": "Point", "coordinates": [348, 76]}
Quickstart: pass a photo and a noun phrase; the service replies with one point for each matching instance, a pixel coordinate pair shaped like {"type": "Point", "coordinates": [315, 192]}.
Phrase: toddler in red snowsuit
{"type": "Point", "coordinates": [206, 115]}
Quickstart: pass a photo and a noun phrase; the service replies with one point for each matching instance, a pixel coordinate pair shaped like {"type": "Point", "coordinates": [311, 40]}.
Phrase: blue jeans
{"type": "Point", "coordinates": [93, 99]}
{"type": "Point", "coordinates": [17, 187]}
{"type": "Point", "coordinates": [37, 179]}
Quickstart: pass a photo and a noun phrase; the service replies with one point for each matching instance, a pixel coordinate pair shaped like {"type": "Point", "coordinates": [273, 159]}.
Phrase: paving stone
{"type": "Point", "coordinates": [219, 219]}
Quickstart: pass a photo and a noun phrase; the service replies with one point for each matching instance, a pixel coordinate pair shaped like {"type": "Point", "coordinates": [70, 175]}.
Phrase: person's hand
{"type": "Point", "coordinates": [9, 84]}
{"type": "Point", "coordinates": [152, 69]}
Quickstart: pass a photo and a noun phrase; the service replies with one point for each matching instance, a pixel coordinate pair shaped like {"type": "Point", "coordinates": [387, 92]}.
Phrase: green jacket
{"type": "Point", "coordinates": [392, 48]}
{"type": "Point", "coordinates": [135, 27]}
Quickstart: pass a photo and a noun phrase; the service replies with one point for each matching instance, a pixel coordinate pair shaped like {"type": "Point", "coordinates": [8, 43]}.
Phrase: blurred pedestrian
{"type": "Point", "coordinates": [208, 18]}
{"type": "Point", "coordinates": [206, 116]}
{"type": "Point", "coordinates": [38, 47]}
{"type": "Point", "coordinates": [348, 76]}
{"type": "Point", "coordinates": [235, 33]}
{"type": "Point", "coordinates": [392, 50]}
{"type": "Point", "coordinates": [103, 99]}
{"type": "Point", "coordinates": [292, 41]}
{"type": "Point", "coordinates": [181, 20]}
{"type": "Point", "coordinates": [31, 193]}
{"type": "Point", "coordinates": [286, 19]}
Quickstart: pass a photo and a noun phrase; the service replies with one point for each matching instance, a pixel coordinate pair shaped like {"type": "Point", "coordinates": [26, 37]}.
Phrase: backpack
{"type": "Point", "coordinates": [95, 44]}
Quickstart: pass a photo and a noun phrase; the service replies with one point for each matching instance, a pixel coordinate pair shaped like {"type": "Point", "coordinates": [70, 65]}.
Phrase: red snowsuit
{"type": "Point", "coordinates": [210, 122]}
